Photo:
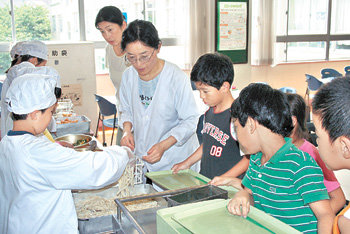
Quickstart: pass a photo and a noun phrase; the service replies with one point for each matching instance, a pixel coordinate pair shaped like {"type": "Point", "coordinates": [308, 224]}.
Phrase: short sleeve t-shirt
{"type": "Point", "coordinates": [146, 90]}
{"type": "Point", "coordinates": [285, 185]}
{"type": "Point", "coordinates": [220, 149]}
{"type": "Point", "coordinates": [330, 181]}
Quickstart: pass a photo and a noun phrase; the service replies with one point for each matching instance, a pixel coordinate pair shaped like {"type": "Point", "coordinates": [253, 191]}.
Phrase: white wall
{"type": "Point", "coordinates": [78, 67]}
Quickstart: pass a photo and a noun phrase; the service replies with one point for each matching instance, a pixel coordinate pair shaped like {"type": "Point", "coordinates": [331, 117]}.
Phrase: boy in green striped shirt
{"type": "Point", "coordinates": [281, 180]}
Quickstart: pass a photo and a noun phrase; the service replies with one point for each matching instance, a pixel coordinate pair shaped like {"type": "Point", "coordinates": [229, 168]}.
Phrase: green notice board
{"type": "Point", "coordinates": [232, 29]}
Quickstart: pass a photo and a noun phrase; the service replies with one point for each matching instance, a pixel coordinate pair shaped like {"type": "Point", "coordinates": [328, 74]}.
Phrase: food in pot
{"type": "Point", "coordinates": [81, 142]}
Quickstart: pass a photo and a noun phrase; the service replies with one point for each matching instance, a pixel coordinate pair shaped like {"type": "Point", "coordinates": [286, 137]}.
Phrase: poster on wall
{"type": "Point", "coordinates": [73, 92]}
{"type": "Point", "coordinates": [232, 18]}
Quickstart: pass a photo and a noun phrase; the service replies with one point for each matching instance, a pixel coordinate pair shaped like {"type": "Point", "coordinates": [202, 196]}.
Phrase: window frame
{"type": "Point", "coordinates": [5, 46]}
{"type": "Point", "coordinates": [327, 38]}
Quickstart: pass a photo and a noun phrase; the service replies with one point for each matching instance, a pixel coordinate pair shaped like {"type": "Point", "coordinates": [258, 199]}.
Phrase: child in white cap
{"type": "Point", "coordinates": [26, 55]}
{"type": "Point", "coordinates": [37, 176]}
{"type": "Point", "coordinates": [34, 52]}
{"type": "Point", "coordinates": [13, 73]}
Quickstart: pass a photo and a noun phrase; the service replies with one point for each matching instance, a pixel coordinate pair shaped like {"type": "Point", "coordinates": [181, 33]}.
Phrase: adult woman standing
{"type": "Point", "coordinates": [156, 102]}
{"type": "Point", "coordinates": [110, 21]}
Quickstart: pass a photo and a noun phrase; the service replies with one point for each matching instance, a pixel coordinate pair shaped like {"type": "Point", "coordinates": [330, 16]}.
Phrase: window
{"type": "Point", "coordinates": [168, 16]}
{"type": "Point", "coordinates": [36, 20]}
{"type": "Point", "coordinates": [46, 20]}
{"type": "Point", "coordinates": [309, 30]}
{"type": "Point", "coordinates": [74, 20]}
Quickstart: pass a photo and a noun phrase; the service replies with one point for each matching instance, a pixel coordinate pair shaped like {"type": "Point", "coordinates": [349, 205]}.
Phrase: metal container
{"type": "Point", "coordinates": [199, 194]}
{"type": "Point", "coordinates": [105, 223]}
{"type": "Point", "coordinates": [82, 126]}
{"type": "Point", "coordinates": [144, 221]}
{"type": "Point", "coordinates": [74, 138]}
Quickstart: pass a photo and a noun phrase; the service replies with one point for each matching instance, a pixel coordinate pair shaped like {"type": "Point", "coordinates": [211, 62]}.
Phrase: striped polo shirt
{"type": "Point", "coordinates": [285, 185]}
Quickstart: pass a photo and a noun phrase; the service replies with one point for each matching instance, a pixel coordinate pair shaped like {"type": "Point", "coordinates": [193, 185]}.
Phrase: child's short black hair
{"type": "Point", "coordinates": [266, 105]}
{"type": "Point", "coordinates": [25, 58]}
{"type": "Point", "coordinates": [332, 104]}
{"type": "Point", "coordinates": [213, 69]}
{"type": "Point", "coordinates": [16, 117]}
{"type": "Point", "coordinates": [58, 92]}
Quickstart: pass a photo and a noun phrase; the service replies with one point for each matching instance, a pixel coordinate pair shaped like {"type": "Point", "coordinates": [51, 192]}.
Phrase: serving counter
{"type": "Point", "coordinates": [194, 214]}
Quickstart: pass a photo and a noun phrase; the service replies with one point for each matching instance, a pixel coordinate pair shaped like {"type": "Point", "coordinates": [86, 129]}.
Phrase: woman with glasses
{"type": "Point", "coordinates": [158, 110]}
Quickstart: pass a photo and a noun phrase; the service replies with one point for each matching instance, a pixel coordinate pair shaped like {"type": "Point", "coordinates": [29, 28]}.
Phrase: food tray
{"type": "Point", "coordinates": [183, 179]}
{"type": "Point", "coordinates": [104, 223]}
{"type": "Point", "coordinates": [64, 105]}
{"type": "Point", "coordinates": [196, 195]}
{"type": "Point", "coordinates": [82, 126]}
{"type": "Point", "coordinates": [215, 218]}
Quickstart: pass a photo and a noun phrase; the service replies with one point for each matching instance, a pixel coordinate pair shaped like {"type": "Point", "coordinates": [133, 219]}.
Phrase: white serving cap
{"type": "Point", "coordinates": [30, 92]}
{"type": "Point", "coordinates": [16, 49]}
{"type": "Point", "coordinates": [34, 48]}
{"type": "Point", "coordinates": [27, 67]}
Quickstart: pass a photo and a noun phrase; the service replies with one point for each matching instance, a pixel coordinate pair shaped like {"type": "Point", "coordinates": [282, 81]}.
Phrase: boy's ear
{"type": "Point", "coordinates": [251, 124]}
{"type": "Point", "coordinates": [294, 120]}
{"type": "Point", "coordinates": [34, 61]}
{"type": "Point", "coordinates": [345, 146]}
{"type": "Point", "coordinates": [34, 115]}
{"type": "Point", "coordinates": [159, 46]}
{"type": "Point", "coordinates": [225, 86]}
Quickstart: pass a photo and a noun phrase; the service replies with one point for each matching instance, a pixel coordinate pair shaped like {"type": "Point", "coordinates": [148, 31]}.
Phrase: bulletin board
{"type": "Point", "coordinates": [231, 29]}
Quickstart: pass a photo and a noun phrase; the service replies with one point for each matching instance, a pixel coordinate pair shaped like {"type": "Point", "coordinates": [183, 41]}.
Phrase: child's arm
{"type": "Point", "coordinates": [240, 203]}
{"type": "Point", "coordinates": [322, 210]}
{"type": "Point", "coordinates": [228, 181]}
{"type": "Point", "coordinates": [337, 199]}
{"type": "Point", "coordinates": [343, 224]}
{"type": "Point", "coordinates": [239, 168]}
{"type": "Point", "coordinates": [187, 163]}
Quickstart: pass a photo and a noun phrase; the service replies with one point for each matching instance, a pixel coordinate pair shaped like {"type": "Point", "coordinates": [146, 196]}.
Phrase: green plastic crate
{"type": "Point", "coordinates": [213, 217]}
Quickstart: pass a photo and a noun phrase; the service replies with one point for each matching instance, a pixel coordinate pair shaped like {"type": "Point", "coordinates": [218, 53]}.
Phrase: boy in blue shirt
{"type": "Point", "coordinates": [281, 180]}
{"type": "Point", "coordinates": [219, 153]}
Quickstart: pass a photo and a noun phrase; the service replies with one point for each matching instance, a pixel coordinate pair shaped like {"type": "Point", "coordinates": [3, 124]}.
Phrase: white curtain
{"type": "Point", "coordinates": [263, 36]}
{"type": "Point", "coordinates": [201, 37]}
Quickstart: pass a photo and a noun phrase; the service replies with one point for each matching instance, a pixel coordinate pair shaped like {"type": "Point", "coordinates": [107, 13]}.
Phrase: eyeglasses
{"type": "Point", "coordinates": [142, 59]}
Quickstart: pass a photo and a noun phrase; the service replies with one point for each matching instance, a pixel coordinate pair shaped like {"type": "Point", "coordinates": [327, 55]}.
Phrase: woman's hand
{"type": "Point", "coordinates": [180, 166]}
{"type": "Point", "coordinates": [226, 181]}
{"type": "Point", "coordinates": [128, 140]}
{"type": "Point", "coordinates": [240, 204]}
{"type": "Point", "coordinates": [155, 153]}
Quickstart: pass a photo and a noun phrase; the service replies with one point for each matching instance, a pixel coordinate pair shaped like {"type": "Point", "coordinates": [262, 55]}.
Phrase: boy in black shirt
{"type": "Point", "coordinates": [219, 153]}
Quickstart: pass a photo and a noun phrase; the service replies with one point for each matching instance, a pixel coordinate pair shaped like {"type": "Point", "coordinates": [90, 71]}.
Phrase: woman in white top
{"type": "Point", "coordinates": [158, 110]}
{"type": "Point", "coordinates": [111, 23]}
